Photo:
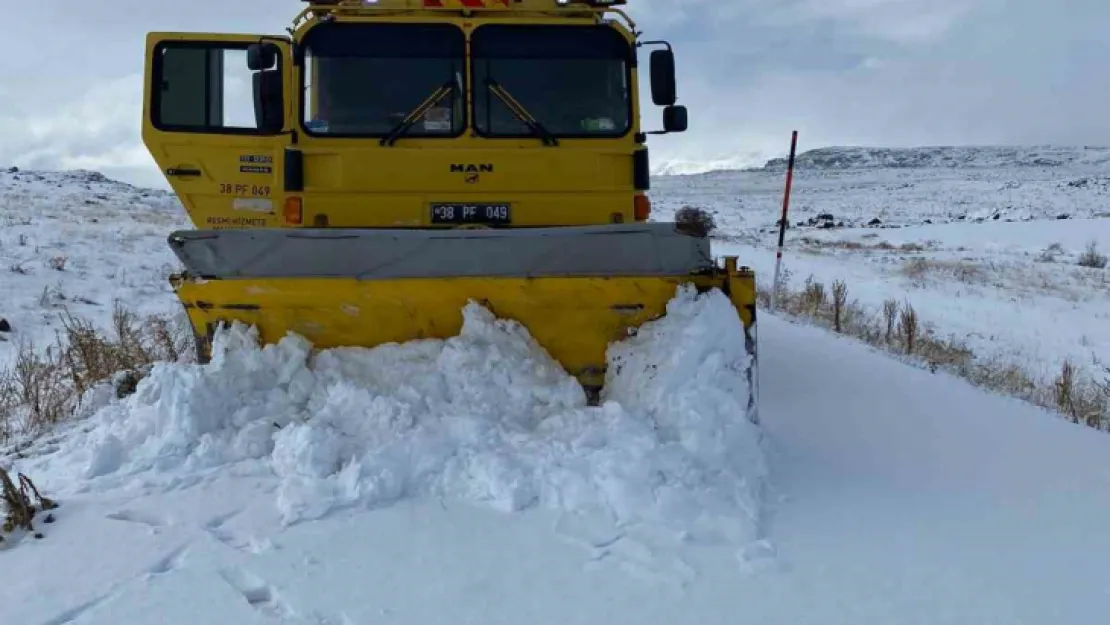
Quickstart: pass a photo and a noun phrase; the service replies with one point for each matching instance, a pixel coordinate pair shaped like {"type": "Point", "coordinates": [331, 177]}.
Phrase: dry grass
{"type": "Point", "coordinates": [1042, 277]}
{"type": "Point", "coordinates": [21, 504]}
{"type": "Point", "coordinates": [882, 246]}
{"type": "Point", "coordinates": [1051, 253]}
{"type": "Point", "coordinates": [896, 328]}
{"type": "Point", "coordinates": [1091, 257]}
{"type": "Point", "coordinates": [918, 269]}
{"type": "Point", "coordinates": [44, 387]}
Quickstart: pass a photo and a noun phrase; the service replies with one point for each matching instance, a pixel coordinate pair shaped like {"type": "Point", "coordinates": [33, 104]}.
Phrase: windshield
{"type": "Point", "coordinates": [365, 79]}
{"type": "Point", "coordinates": [573, 80]}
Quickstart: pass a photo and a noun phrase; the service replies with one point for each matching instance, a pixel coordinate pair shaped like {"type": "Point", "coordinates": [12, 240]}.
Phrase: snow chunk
{"type": "Point", "coordinates": [487, 416]}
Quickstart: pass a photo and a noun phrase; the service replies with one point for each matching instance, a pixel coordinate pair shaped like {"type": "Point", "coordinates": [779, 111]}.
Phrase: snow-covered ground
{"type": "Point", "coordinates": [895, 496]}
{"type": "Point", "coordinates": [77, 241]}
{"type": "Point", "coordinates": [983, 242]}
{"type": "Point", "coordinates": [384, 486]}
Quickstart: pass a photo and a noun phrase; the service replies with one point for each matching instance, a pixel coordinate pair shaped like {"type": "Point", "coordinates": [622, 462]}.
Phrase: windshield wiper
{"type": "Point", "coordinates": [410, 119]}
{"type": "Point", "coordinates": [521, 113]}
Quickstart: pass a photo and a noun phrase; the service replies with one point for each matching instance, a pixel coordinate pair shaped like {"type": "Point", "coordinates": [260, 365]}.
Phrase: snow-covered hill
{"type": "Point", "coordinates": [892, 197]}
{"type": "Point", "coordinates": [676, 166]}
{"type": "Point", "coordinates": [947, 157]}
{"type": "Point", "coordinates": [78, 241]}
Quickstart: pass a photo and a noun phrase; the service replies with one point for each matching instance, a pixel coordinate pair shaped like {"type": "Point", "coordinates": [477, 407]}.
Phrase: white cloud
{"type": "Point", "coordinates": [882, 72]}
{"type": "Point", "coordinates": [878, 72]}
{"type": "Point", "coordinates": [897, 21]}
{"type": "Point", "coordinates": [98, 131]}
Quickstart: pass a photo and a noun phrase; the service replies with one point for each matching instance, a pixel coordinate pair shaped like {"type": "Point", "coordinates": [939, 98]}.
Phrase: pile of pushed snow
{"type": "Point", "coordinates": [485, 416]}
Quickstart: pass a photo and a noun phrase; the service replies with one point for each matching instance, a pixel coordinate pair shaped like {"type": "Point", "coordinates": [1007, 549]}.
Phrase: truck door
{"type": "Point", "coordinates": [217, 120]}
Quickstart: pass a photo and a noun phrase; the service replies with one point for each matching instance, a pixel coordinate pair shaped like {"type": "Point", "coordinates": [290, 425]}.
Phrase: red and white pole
{"type": "Point", "coordinates": [783, 222]}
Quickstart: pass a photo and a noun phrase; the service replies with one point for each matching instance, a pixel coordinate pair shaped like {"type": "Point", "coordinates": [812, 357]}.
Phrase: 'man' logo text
{"type": "Point", "coordinates": [472, 168]}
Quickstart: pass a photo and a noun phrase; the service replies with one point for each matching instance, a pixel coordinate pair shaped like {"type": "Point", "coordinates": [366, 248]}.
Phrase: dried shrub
{"type": "Point", "coordinates": [908, 327]}
{"type": "Point", "coordinates": [695, 220]}
{"type": "Point", "coordinates": [43, 388]}
{"type": "Point", "coordinates": [813, 296]}
{"type": "Point", "coordinates": [1092, 258]}
{"type": "Point", "coordinates": [22, 503]}
{"type": "Point", "coordinates": [915, 269]}
{"type": "Point", "coordinates": [1081, 402]}
{"type": "Point", "coordinates": [33, 392]}
{"type": "Point", "coordinates": [967, 273]}
{"type": "Point", "coordinates": [890, 313]}
{"type": "Point", "coordinates": [840, 297]}
{"type": "Point", "coordinates": [1051, 253]}
{"type": "Point", "coordinates": [1065, 390]}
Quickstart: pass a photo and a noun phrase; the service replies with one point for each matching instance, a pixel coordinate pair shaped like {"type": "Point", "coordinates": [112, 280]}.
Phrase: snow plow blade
{"type": "Point", "coordinates": [576, 289]}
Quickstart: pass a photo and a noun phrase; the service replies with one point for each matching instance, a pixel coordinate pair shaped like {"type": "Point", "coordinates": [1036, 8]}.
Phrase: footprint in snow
{"type": "Point", "coordinates": [152, 521]}
{"type": "Point", "coordinates": [259, 594]}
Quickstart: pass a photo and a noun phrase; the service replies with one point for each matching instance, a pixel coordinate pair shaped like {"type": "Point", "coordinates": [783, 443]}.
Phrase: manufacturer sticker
{"type": "Point", "coordinates": [235, 222]}
{"type": "Point", "coordinates": [253, 205]}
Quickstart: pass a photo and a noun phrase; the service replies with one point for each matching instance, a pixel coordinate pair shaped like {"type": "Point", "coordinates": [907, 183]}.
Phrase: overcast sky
{"type": "Point", "coordinates": [859, 72]}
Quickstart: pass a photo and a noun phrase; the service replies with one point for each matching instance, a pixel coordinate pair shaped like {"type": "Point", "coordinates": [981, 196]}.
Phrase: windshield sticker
{"type": "Point", "coordinates": [603, 124]}
{"type": "Point", "coordinates": [438, 118]}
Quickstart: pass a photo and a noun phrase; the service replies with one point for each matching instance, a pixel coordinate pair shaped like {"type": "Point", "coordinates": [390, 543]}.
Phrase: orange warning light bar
{"type": "Point", "coordinates": [527, 5]}
{"type": "Point", "coordinates": [466, 4]}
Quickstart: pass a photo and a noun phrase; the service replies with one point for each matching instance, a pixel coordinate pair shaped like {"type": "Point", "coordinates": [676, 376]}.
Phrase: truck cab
{"type": "Point", "coordinates": [411, 114]}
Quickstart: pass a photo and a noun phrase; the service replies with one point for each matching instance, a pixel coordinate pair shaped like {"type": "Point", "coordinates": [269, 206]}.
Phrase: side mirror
{"type": "Point", "coordinates": [663, 88]}
{"type": "Point", "coordinates": [262, 56]}
{"type": "Point", "coordinates": [675, 119]}
{"type": "Point", "coordinates": [269, 101]}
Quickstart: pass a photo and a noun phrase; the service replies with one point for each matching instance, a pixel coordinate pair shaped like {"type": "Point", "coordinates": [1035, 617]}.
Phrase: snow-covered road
{"type": "Point", "coordinates": [913, 498]}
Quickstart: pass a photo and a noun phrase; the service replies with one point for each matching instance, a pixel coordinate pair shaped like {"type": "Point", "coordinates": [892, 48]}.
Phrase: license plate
{"type": "Point", "coordinates": [471, 213]}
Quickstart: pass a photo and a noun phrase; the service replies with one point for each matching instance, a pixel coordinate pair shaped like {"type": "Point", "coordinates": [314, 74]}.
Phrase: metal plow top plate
{"type": "Point", "coordinates": [652, 249]}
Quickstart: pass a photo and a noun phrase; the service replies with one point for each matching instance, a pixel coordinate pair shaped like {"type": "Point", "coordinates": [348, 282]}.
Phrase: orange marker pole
{"type": "Point", "coordinates": [783, 222]}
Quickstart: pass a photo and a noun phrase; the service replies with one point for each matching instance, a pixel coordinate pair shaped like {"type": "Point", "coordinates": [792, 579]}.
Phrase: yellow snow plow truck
{"type": "Point", "coordinates": [360, 178]}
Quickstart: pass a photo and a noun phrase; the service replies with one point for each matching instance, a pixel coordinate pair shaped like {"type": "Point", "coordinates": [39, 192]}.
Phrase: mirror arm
{"type": "Point", "coordinates": [640, 44]}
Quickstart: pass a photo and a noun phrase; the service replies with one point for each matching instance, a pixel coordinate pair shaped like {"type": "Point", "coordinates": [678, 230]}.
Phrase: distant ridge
{"type": "Point", "coordinates": [946, 157]}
